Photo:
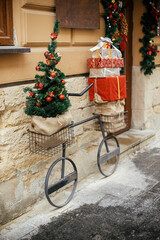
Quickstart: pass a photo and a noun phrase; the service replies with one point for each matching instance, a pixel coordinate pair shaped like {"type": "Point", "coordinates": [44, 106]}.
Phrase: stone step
{"type": "Point", "coordinates": [134, 140]}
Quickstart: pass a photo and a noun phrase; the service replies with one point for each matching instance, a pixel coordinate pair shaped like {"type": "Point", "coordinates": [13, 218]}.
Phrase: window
{"type": "Point", "coordinates": [6, 22]}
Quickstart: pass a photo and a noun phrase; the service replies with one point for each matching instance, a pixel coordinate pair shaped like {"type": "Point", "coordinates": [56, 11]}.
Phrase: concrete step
{"type": "Point", "coordinates": [134, 140]}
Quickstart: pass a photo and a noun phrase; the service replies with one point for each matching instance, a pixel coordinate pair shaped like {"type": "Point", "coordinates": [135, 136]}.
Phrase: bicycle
{"type": "Point", "coordinates": [62, 174]}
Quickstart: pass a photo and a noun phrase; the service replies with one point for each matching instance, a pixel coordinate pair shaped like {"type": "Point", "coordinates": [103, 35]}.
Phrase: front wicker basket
{"type": "Point", "coordinates": [50, 145]}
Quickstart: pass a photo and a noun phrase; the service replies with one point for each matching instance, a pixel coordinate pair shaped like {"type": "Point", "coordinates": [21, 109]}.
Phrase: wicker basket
{"type": "Point", "coordinates": [113, 123]}
{"type": "Point", "coordinates": [50, 145]}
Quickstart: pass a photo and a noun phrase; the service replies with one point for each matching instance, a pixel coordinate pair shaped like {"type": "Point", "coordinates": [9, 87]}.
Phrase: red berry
{"type": "Point", "coordinates": [26, 104]}
{"type": "Point", "coordinates": [36, 85]}
{"type": "Point", "coordinates": [52, 74]}
{"type": "Point", "coordinates": [63, 81]}
{"type": "Point", "coordinates": [37, 68]}
{"type": "Point", "coordinates": [48, 99]}
{"type": "Point", "coordinates": [38, 105]}
{"type": "Point", "coordinates": [61, 96]}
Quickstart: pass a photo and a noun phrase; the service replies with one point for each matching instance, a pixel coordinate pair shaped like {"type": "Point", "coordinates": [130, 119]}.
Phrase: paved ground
{"type": "Point", "coordinates": [125, 206]}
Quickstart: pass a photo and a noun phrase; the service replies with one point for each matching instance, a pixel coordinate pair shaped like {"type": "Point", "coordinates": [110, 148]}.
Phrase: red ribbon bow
{"type": "Point", "coordinates": [151, 49]}
{"type": "Point", "coordinates": [123, 42]}
{"type": "Point", "coordinates": [111, 8]}
{"type": "Point", "coordinates": [155, 13]}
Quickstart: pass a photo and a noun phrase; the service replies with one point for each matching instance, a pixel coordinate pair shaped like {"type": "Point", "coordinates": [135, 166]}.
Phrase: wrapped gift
{"type": "Point", "coordinates": [105, 49]}
{"type": "Point", "coordinates": [105, 62]}
{"type": "Point", "coordinates": [99, 62]}
{"type": "Point", "coordinates": [117, 62]}
{"type": "Point", "coordinates": [109, 53]}
{"type": "Point", "coordinates": [110, 88]}
{"type": "Point", "coordinates": [103, 72]}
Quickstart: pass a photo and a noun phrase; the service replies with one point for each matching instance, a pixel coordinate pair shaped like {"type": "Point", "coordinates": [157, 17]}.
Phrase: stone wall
{"type": "Point", "coordinates": [22, 173]}
{"type": "Point", "coordinates": [145, 99]}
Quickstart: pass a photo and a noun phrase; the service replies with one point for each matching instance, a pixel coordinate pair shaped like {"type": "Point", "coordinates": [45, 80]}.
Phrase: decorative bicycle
{"type": "Point", "coordinates": [62, 175]}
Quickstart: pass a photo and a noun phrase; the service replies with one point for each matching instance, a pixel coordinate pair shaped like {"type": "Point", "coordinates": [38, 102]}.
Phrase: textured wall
{"type": "Point", "coordinates": [22, 173]}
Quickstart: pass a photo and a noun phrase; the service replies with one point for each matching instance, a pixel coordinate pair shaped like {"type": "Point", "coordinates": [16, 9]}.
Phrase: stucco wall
{"type": "Point", "coordinates": [146, 100]}
{"type": "Point", "coordinates": [145, 89]}
{"type": "Point", "coordinates": [33, 22]}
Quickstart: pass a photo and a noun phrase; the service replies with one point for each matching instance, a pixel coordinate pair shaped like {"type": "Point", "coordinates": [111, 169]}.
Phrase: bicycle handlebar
{"type": "Point", "coordinates": [80, 94]}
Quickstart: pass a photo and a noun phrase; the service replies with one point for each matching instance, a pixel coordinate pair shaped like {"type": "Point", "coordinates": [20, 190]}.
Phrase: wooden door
{"type": "Point", "coordinates": [127, 10]}
{"type": "Point", "coordinates": [127, 55]}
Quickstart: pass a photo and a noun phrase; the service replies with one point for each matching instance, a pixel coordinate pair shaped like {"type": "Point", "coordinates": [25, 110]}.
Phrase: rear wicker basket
{"type": "Point", "coordinates": [113, 123]}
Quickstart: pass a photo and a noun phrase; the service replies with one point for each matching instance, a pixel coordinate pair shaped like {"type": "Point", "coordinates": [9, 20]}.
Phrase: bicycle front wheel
{"type": "Point", "coordinates": [61, 182]}
{"type": "Point", "coordinates": [108, 155]}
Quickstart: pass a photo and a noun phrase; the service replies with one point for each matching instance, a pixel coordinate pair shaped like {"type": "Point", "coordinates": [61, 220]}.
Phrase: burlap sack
{"type": "Point", "coordinates": [110, 108]}
{"type": "Point", "coordinates": [49, 126]}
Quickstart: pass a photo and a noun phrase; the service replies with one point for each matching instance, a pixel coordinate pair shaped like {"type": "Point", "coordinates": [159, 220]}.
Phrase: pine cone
{"type": "Point", "coordinates": [123, 26]}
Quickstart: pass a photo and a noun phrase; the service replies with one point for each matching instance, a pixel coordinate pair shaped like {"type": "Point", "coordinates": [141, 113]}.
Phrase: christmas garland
{"type": "Point", "coordinates": [149, 20]}
{"type": "Point", "coordinates": [116, 26]}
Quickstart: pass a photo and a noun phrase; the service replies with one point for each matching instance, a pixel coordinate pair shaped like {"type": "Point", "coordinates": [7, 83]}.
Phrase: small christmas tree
{"type": "Point", "coordinates": [49, 97]}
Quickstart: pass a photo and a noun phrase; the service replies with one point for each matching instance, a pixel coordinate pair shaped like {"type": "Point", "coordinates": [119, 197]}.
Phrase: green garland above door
{"type": "Point", "coordinates": [116, 27]}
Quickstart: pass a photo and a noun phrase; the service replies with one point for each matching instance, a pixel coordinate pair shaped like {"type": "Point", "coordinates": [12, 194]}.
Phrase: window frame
{"type": "Point", "coordinates": [6, 23]}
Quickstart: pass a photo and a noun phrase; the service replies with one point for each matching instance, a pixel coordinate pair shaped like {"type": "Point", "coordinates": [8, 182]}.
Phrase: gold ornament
{"type": "Point", "coordinates": [113, 1]}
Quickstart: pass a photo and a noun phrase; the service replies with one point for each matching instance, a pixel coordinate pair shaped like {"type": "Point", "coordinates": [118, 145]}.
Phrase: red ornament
{"type": "Point", "coordinates": [48, 62]}
{"type": "Point", "coordinates": [38, 105]}
{"type": "Point", "coordinates": [31, 94]}
{"type": "Point", "coordinates": [51, 94]}
{"type": "Point", "coordinates": [63, 81]}
{"type": "Point", "coordinates": [61, 96]}
{"type": "Point", "coordinates": [52, 74]}
{"type": "Point", "coordinates": [48, 99]}
{"type": "Point", "coordinates": [37, 68]}
{"type": "Point", "coordinates": [36, 85]}
{"type": "Point", "coordinates": [53, 35]}
{"type": "Point", "coordinates": [40, 85]}
{"type": "Point", "coordinates": [45, 54]}
{"type": "Point", "coordinates": [26, 104]}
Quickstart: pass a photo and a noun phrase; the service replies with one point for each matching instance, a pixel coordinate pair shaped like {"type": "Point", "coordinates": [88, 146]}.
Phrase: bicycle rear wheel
{"type": "Point", "coordinates": [61, 182]}
{"type": "Point", "coordinates": [108, 155]}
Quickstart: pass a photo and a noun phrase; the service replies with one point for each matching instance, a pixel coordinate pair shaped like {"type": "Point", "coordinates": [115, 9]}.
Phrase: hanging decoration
{"type": "Point", "coordinates": [151, 28]}
{"type": "Point", "coordinates": [116, 26]}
